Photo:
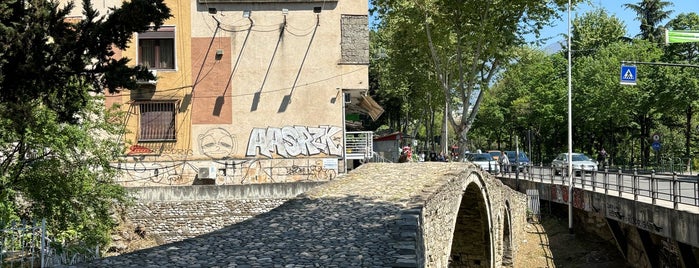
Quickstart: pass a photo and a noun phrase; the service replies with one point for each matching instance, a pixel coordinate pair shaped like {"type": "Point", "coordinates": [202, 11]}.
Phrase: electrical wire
{"type": "Point", "coordinates": [231, 28]}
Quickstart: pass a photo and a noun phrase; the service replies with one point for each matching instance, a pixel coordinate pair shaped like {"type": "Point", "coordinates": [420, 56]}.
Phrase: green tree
{"type": "Point", "coordinates": [467, 43]}
{"type": "Point", "coordinates": [650, 13]}
{"type": "Point", "coordinates": [682, 84]}
{"type": "Point", "coordinates": [529, 95]}
{"type": "Point", "coordinates": [56, 141]}
{"type": "Point", "coordinates": [595, 29]}
{"type": "Point", "coordinates": [404, 77]}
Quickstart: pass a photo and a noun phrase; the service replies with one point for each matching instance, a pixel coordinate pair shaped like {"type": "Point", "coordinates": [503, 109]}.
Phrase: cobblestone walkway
{"type": "Point", "coordinates": [353, 221]}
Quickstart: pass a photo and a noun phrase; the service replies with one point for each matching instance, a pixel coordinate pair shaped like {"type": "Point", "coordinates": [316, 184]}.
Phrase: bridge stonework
{"type": "Point", "coordinates": [428, 214]}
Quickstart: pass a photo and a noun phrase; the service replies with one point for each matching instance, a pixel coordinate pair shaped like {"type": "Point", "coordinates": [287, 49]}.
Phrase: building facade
{"type": "Point", "coordinates": [246, 92]}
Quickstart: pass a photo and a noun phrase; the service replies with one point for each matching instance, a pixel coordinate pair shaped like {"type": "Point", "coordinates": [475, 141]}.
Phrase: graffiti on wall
{"type": "Point", "coordinates": [275, 170]}
{"type": "Point", "coordinates": [317, 171]}
{"type": "Point", "coordinates": [615, 211]}
{"type": "Point", "coordinates": [293, 141]}
{"type": "Point", "coordinates": [217, 143]}
{"type": "Point", "coordinates": [147, 173]}
{"type": "Point", "coordinates": [559, 193]}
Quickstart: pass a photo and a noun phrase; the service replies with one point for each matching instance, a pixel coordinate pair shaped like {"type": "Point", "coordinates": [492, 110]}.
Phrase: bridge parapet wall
{"type": "Point", "coordinates": [179, 212]}
{"type": "Point", "coordinates": [659, 219]}
{"type": "Point", "coordinates": [647, 234]}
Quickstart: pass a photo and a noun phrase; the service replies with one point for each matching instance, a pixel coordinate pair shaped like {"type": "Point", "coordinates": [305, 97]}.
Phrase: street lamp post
{"type": "Point", "coordinates": [446, 128]}
{"type": "Point", "coordinates": [446, 110]}
{"type": "Point", "coordinates": [570, 132]}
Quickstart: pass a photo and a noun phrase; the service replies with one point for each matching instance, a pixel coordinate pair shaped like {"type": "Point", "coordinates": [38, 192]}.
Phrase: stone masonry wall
{"type": "Point", "coordinates": [174, 221]}
{"type": "Point", "coordinates": [175, 213]}
{"type": "Point", "coordinates": [355, 39]}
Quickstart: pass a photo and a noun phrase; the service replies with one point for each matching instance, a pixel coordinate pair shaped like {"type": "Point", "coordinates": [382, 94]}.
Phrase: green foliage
{"type": "Point", "coordinates": [453, 46]}
{"type": "Point", "coordinates": [594, 30]}
{"type": "Point", "coordinates": [650, 13]}
{"type": "Point", "coordinates": [56, 139]}
{"type": "Point", "coordinates": [530, 95]}
{"type": "Point", "coordinates": [40, 58]}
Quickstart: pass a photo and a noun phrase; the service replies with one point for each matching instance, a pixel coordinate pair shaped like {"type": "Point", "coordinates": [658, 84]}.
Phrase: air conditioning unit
{"type": "Point", "coordinates": [149, 82]}
{"type": "Point", "coordinates": [348, 98]}
{"type": "Point", "coordinates": [207, 172]}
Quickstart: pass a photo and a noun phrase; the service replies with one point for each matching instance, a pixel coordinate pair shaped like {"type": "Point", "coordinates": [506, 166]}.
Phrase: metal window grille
{"type": "Point", "coordinates": [157, 121]}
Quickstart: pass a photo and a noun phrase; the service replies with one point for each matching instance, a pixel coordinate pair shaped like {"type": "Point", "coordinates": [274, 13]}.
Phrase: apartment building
{"type": "Point", "coordinates": [246, 92]}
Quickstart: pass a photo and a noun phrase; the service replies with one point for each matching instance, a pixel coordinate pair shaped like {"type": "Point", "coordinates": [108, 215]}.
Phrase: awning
{"type": "Point", "coordinates": [370, 106]}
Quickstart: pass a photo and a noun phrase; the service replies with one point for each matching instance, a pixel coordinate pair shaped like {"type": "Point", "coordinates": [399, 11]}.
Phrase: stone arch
{"type": "Point", "coordinates": [507, 250]}
{"type": "Point", "coordinates": [472, 243]}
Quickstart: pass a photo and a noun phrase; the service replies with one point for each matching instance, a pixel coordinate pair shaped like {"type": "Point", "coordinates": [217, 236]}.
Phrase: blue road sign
{"type": "Point", "coordinates": [655, 145]}
{"type": "Point", "coordinates": [628, 75]}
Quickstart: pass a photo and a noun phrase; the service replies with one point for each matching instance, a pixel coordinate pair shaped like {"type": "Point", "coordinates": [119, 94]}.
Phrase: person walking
{"type": "Point", "coordinates": [602, 158]}
{"type": "Point", "coordinates": [504, 163]}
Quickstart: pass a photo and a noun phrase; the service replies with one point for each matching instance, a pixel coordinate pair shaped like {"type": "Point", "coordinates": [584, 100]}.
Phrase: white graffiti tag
{"type": "Point", "coordinates": [292, 141]}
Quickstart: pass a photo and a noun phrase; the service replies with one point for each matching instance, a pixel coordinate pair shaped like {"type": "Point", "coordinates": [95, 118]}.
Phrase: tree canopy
{"type": "Point", "coordinates": [461, 45]}
{"type": "Point", "coordinates": [56, 139]}
{"type": "Point", "coordinates": [505, 89]}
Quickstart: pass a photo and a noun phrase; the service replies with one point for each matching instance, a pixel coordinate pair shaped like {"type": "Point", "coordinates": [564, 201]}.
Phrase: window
{"type": "Point", "coordinates": [157, 121]}
{"type": "Point", "coordinates": [156, 49]}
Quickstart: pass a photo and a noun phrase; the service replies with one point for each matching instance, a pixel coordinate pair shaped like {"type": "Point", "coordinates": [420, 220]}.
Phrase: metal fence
{"type": "Point", "coordinates": [667, 186]}
{"type": "Point", "coordinates": [27, 245]}
{"type": "Point", "coordinates": [359, 145]}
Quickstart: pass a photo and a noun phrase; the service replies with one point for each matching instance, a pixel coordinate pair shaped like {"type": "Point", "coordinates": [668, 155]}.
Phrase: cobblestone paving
{"type": "Point", "coordinates": [352, 221]}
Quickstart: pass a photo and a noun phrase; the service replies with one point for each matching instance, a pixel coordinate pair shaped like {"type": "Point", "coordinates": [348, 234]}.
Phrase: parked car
{"type": "Point", "coordinates": [581, 162]}
{"type": "Point", "coordinates": [484, 160]}
{"type": "Point", "coordinates": [522, 160]}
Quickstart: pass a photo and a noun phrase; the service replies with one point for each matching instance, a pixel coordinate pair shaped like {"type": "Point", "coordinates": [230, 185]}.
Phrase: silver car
{"type": "Point", "coordinates": [581, 162]}
{"type": "Point", "coordinates": [484, 160]}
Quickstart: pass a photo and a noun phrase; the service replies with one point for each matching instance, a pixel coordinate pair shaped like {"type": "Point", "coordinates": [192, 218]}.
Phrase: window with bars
{"type": "Point", "coordinates": [156, 49]}
{"type": "Point", "coordinates": [157, 121]}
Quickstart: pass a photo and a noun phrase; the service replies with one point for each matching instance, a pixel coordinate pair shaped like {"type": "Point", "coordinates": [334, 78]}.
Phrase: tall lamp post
{"type": "Point", "coordinates": [446, 128]}
{"type": "Point", "coordinates": [570, 132]}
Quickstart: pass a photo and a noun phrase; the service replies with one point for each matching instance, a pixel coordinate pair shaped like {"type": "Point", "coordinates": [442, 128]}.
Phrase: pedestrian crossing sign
{"type": "Point", "coordinates": [628, 75]}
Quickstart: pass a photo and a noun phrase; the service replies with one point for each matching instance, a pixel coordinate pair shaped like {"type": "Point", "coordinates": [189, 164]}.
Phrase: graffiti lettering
{"type": "Point", "coordinates": [615, 212]}
{"type": "Point", "coordinates": [313, 171]}
{"type": "Point", "coordinates": [294, 141]}
{"type": "Point", "coordinates": [178, 151]}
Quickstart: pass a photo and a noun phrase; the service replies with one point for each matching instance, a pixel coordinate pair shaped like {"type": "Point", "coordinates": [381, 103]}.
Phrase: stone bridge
{"type": "Point", "coordinates": [428, 214]}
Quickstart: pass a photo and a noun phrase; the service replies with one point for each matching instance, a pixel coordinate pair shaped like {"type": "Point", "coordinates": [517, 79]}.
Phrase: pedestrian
{"type": "Point", "coordinates": [602, 158]}
{"type": "Point", "coordinates": [440, 157]}
{"type": "Point", "coordinates": [406, 155]}
{"type": "Point", "coordinates": [504, 162]}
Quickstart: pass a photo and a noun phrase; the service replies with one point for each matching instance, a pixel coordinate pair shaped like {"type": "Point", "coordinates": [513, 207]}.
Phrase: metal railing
{"type": "Point", "coordinates": [377, 158]}
{"type": "Point", "coordinates": [27, 245]}
{"type": "Point", "coordinates": [666, 186]}
{"type": "Point", "coordinates": [359, 145]}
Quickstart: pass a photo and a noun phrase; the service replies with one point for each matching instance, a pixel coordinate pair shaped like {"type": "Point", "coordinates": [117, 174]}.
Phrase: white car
{"type": "Point", "coordinates": [581, 162]}
{"type": "Point", "coordinates": [484, 160]}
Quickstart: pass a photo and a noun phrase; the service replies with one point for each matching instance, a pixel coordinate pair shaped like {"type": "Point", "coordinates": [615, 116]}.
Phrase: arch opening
{"type": "Point", "coordinates": [507, 258]}
{"type": "Point", "coordinates": [471, 246]}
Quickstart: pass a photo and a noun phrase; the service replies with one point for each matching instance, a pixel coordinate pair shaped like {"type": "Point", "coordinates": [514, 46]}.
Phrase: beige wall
{"type": "Point", "coordinates": [270, 109]}
{"type": "Point", "coordinates": [268, 78]}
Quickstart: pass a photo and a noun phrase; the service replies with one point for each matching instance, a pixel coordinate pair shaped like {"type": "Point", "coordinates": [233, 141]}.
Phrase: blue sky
{"type": "Point", "coordinates": [613, 7]}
